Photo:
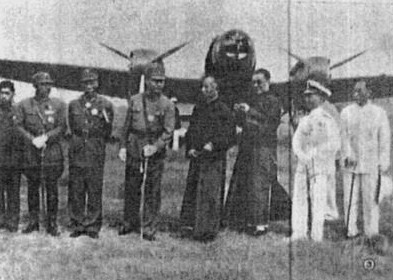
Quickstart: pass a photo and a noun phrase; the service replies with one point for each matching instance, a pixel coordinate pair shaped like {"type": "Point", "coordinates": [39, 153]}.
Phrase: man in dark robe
{"type": "Point", "coordinates": [208, 139]}
{"type": "Point", "coordinates": [255, 170]}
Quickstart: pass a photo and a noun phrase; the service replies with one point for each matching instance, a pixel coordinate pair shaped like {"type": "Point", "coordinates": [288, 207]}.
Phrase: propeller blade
{"type": "Point", "coordinates": [299, 58]}
{"type": "Point", "coordinates": [123, 55]}
{"type": "Point", "coordinates": [341, 63]}
{"type": "Point", "coordinates": [169, 52]}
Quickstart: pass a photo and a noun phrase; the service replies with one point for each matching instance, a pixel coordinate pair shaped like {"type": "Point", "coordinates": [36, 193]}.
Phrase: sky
{"type": "Point", "coordinates": [68, 31]}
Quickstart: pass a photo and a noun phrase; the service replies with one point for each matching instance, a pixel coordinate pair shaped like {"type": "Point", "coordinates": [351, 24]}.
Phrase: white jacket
{"type": "Point", "coordinates": [366, 137]}
{"type": "Point", "coordinates": [316, 142]}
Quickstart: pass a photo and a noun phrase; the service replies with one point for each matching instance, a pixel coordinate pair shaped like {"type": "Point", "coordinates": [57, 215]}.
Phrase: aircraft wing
{"type": "Point", "coordinates": [342, 88]}
{"type": "Point", "coordinates": [115, 83]}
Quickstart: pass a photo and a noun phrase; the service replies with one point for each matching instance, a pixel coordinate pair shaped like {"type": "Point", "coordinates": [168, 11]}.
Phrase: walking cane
{"type": "Point", "coordinates": [378, 190]}
{"type": "Point", "coordinates": [143, 186]}
{"type": "Point", "coordinates": [42, 186]}
{"type": "Point", "coordinates": [309, 212]}
{"type": "Point", "coordinates": [350, 200]}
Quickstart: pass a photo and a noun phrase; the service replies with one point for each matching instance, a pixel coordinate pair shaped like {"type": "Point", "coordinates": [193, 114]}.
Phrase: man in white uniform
{"type": "Point", "coordinates": [331, 206]}
{"type": "Point", "coordinates": [315, 144]}
{"type": "Point", "coordinates": [365, 153]}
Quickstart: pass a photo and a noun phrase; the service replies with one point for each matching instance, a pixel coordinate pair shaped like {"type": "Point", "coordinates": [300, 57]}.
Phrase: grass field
{"type": "Point", "coordinates": [231, 256]}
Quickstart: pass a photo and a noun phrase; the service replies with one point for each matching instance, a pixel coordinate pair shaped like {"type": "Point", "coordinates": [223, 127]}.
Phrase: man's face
{"type": "Point", "coordinates": [6, 95]}
{"type": "Point", "coordinates": [209, 88]}
{"type": "Point", "coordinates": [43, 89]}
{"type": "Point", "coordinates": [260, 83]}
{"type": "Point", "coordinates": [313, 100]}
{"type": "Point", "coordinates": [361, 94]}
{"type": "Point", "coordinates": [90, 86]}
{"type": "Point", "coordinates": [155, 84]}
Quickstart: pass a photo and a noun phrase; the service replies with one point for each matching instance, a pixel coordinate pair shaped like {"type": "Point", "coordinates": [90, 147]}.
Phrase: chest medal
{"type": "Point", "coordinates": [94, 112]}
{"type": "Point", "coordinates": [150, 118]}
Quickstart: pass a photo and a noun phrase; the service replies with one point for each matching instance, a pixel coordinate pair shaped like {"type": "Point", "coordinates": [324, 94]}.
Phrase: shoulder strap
{"type": "Point", "coordinates": [147, 123]}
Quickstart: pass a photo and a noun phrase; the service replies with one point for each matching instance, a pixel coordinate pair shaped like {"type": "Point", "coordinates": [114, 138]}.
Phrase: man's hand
{"type": "Point", "coordinates": [193, 153]}
{"type": "Point", "coordinates": [149, 150]}
{"type": "Point", "coordinates": [40, 141]}
{"type": "Point", "coordinates": [208, 147]}
{"type": "Point", "coordinates": [383, 167]}
{"type": "Point", "coordinates": [123, 154]}
{"type": "Point", "coordinates": [242, 107]}
{"type": "Point", "coordinates": [349, 162]}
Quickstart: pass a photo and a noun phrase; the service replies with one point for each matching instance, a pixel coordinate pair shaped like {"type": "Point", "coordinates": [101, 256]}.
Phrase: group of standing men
{"type": "Point", "coordinates": [31, 139]}
{"type": "Point", "coordinates": [361, 136]}
{"type": "Point", "coordinates": [32, 130]}
{"type": "Point", "coordinates": [213, 129]}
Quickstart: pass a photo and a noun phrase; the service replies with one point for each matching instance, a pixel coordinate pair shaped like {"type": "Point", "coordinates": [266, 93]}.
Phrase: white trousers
{"type": "Point", "coordinates": [331, 204]}
{"type": "Point", "coordinates": [366, 184]}
{"type": "Point", "coordinates": [300, 206]}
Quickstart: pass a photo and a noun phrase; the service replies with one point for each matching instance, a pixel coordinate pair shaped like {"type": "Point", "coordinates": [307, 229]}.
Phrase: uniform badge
{"type": "Point", "coordinates": [88, 105]}
{"type": "Point", "coordinates": [150, 118]}
{"type": "Point", "coordinates": [94, 112]}
{"type": "Point", "coordinates": [51, 119]}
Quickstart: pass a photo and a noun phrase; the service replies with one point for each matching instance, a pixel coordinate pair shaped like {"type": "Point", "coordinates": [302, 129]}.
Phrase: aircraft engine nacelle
{"type": "Point", "coordinates": [314, 67]}
{"type": "Point", "coordinates": [231, 60]}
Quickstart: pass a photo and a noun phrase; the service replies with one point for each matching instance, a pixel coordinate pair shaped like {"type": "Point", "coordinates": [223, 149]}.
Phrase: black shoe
{"type": "Point", "coordinates": [255, 232]}
{"type": "Point", "coordinates": [52, 230]}
{"type": "Point", "coordinates": [31, 227]}
{"type": "Point", "coordinates": [127, 230]}
{"type": "Point", "coordinates": [76, 234]}
{"type": "Point", "coordinates": [206, 238]}
{"type": "Point", "coordinates": [11, 228]}
{"type": "Point", "coordinates": [92, 234]}
{"type": "Point", "coordinates": [149, 237]}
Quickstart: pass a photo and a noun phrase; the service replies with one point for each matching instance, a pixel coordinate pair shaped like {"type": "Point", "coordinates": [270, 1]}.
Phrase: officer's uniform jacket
{"type": "Point", "coordinates": [316, 142]}
{"type": "Point", "coordinates": [157, 129]}
{"type": "Point", "coordinates": [36, 117]}
{"type": "Point", "coordinates": [366, 137]}
{"type": "Point", "coordinates": [90, 122]}
{"type": "Point", "coordinates": [10, 146]}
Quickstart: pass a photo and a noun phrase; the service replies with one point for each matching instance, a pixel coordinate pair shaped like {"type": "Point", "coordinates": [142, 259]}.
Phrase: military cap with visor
{"type": "Point", "coordinates": [315, 87]}
{"type": "Point", "coordinates": [42, 78]}
{"type": "Point", "coordinates": [155, 70]}
{"type": "Point", "coordinates": [89, 75]}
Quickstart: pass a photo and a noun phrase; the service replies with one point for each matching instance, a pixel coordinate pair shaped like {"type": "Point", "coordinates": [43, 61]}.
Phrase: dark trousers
{"type": "Point", "coordinates": [48, 176]}
{"type": "Point", "coordinates": [132, 195]}
{"type": "Point", "coordinates": [86, 198]}
{"type": "Point", "coordinates": [9, 197]}
{"type": "Point", "coordinates": [201, 206]}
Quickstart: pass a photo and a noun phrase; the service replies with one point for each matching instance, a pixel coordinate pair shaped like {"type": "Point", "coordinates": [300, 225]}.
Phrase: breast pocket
{"type": "Point", "coordinates": [159, 118]}
{"type": "Point", "coordinates": [76, 120]}
{"type": "Point", "coordinates": [32, 121]}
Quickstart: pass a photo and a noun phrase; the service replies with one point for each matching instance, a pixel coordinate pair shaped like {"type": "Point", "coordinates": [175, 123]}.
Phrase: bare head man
{"type": "Point", "coordinates": [361, 93]}
{"type": "Point", "coordinates": [261, 81]}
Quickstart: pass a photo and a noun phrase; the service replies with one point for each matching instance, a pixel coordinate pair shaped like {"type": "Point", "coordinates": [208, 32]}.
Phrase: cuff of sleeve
{"type": "Point", "coordinates": [160, 144]}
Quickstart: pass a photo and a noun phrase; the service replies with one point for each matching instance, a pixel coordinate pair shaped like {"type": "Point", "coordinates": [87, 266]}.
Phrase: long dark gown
{"type": "Point", "coordinates": [201, 208]}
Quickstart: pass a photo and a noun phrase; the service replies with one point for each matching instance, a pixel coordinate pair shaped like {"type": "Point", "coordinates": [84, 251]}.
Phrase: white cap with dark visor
{"type": "Point", "coordinates": [312, 85]}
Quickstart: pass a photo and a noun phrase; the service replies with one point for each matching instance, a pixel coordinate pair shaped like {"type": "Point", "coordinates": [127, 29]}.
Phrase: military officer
{"type": "Point", "coordinates": [365, 153]}
{"type": "Point", "coordinates": [315, 144]}
{"type": "Point", "coordinates": [10, 160]}
{"type": "Point", "coordinates": [42, 123]}
{"type": "Point", "coordinates": [147, 130]}
{"type": "Point", "coordinates": [90, 121]}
